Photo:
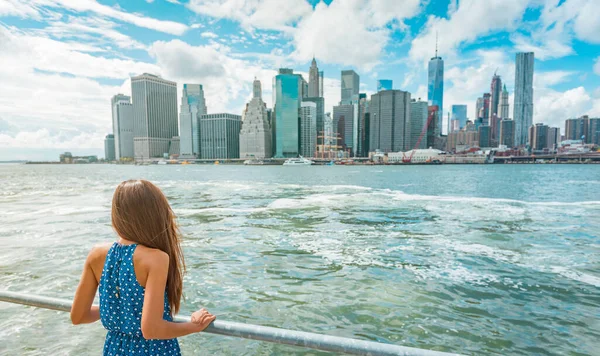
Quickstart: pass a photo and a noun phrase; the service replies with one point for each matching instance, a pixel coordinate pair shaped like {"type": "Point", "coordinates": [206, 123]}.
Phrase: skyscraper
{"type": "Point", "coordinates": [154, 115]}
{"type": "Point", "coordinates": [350, 86]}
{"type": "Point", "coordinates": [459, 112]}
{"type": "Point", "coordinates": [308, 128]}
{"type": "Point", "coordinates": [343, 120]}
{"type": "Point", "coordinates": [496, 91]}
{"type": "Point", "coordinates": [553, 138]}
{"type": "Point", "coordinates": [363, 128]}
{"type": "Point", "coordinates": [538, 137]}
{"type": "Point", "coordinates": [435, 88]}
{"type": "Point", "coordinates": [192, 107]}
{"type": "Point", "coordinates": [390, 121]}
{"type": "Point", "coordinates": [287, 98]}
{"type": "Point", "coordinates": [418, 120]}
{"type": "Point", "coordinates": [523, 106]}
{"type": "Point", "coordinates": [507, 133]}
{"type": "Point", "coordinates": [320, 101]}
{"type": "Point", "coordinates": [479, 108]}
{"type": "Point", "coordinates": [109, 147]}
{"type": "Point", "coordinates": [593, 135]}
{"type": "Point", "coordinates": [321, 82]}
{"type": "Point", "coordinates": [313, 80]}
{"type": "Point", "coordinates": [504, 103]}
{"type": "Point", "coordinates": [255, 134]}
{"type": "Point", "coordinates": [122, 120]}
{"type": "Point", "coordinates": [486, 108]}
{"type": "Point", "coordinates": [220, 136]}
{"type": "Point", "coordinates": [385, 84]}
{"type": "Point", "coordinates": [485, 136]}
{"type": "Point", "coordinates": [576, 129]}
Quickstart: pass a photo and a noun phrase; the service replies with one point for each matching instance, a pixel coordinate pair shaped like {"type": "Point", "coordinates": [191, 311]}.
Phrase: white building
{"type": "Point", "coordinates": [308, 128]}
{"type": "Point", "coordinates": [419, 156]}
{"type": "Point", "coordinates": [255, 134]}
{"type": "Point", "coordinates": [122, 120]}
{"type": "Point", "coordinates": [193, 105]}
{"type": "Point", "coordinates": [154, 115]}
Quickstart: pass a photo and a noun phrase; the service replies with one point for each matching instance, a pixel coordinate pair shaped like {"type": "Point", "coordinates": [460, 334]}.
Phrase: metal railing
{"type": "Point", "coordinates": [255, 332]}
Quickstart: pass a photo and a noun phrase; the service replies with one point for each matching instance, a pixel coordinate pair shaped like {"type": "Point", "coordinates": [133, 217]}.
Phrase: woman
{"type": "Point", "coordinates": [140, 277]}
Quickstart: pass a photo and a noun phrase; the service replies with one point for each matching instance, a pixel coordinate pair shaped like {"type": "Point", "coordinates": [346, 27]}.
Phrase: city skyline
{"type": "Point", "coordinates": [94, 49]}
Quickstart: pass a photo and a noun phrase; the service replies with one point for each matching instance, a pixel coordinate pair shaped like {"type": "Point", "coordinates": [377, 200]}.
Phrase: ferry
{"type": "Point", "coordinates": [300, 161]}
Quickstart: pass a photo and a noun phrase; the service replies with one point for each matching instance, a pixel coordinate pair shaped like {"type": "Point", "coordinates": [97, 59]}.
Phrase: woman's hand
{"type": "Point", "coordinates": [202, 318]}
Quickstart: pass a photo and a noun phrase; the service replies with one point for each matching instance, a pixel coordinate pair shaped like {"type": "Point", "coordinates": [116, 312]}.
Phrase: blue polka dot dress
{"type": "Point", "coordinates": [121, 301]}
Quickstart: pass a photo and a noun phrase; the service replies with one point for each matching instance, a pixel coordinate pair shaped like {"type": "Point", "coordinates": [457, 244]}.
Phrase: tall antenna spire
{"type": "Point", "coordinates": [436, 41]}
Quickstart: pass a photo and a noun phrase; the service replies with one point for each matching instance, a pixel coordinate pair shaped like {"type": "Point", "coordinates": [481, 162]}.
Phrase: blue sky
{"type": "Point", "coordinates": [62, 60]}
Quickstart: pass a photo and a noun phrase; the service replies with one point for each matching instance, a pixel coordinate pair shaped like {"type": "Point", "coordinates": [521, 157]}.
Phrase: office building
{"type": "Point", "coordinates": [538, 137]}
{"type": "Point", "coordinates": [321, 83]}
{"type": "Point", "coordinates": [192, 106]}
{"type": "Point", "coordinates": [350, 86]}
{"type": "Point", "coordinates": [576, 129]}
{"type": "Point", "coordinates": [504, 104]}
{"type": "Point", "coordinates": [220, 136]}
{"type": "Point", "coordinates": [109, 147]}
{"type": "Point", "coordinates": [154, 115]}
{"type": "Point", "coordinates": [459, 113]}
{"type": "Point", "coordinates": [485, 110]}
{"type": "Point", "coordinates": [390, 121]}
{"type": "Point", "coordinates": [255, 134]}
{"type": "Point", "coordinates": [308, 128]}
{"type": "Point", "coordinates": [485, 136]}
{"type": "Point", "coordinates": [435, 89]}
{"type": "Point", "coordinates": [507, 133]}
{"type": "Point", "coordinates": [479, 108]}
{"type": "Point", "coordinates": [174, 147]}
{"type": "Point", "coordinates": [320, 102]}
{"type": "Point", "coordinates": [385, 84]}
{"type": "Point", "coordinates": [462, 140]}
{"type": "Point", "coordinates": [363, 126]}
{"type": "Point", "coordinates": [313, 80]}
{"type": "Point", "coordinates": [496, 92]}
{"type": "Point", "coordinates": [523, 103]}
{"type": "Point", "coordinates": [495, 129]}
{"type": "Point", "coordinates": [343, 125]}
{"type": "Point", "coordinates": [432, 129]}
{"type": "Point", "coordinates": [593, 135]}
{"type": "Point", "coordinates": [553, 138]}
{"type": "Point", "coordinates": [287, 98]}
{"type": "Point", "coordinates": [418, 121]}
{"type": "Point", "coordinates": [122, 121]}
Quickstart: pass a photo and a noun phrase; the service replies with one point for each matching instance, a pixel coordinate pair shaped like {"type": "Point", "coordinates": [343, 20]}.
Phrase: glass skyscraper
{"type": "Point", "coordinates": [496, 91]}
{"type": "Point", "coordinates": [523, 105]}
{"type": "Point", "coordinates": [385, 84]}
{"type": "Point", "coordinates": [435, 89]}
{"type": "Point", "coordinates": [350, 86]}
{"type": "Point", "coordinates": [459, 112]}
{"type": "Point", "coordinates": [287, 98]}
{"type": "Point", "coordinates": [192, 107]}
{"type": "Point", "coordinates": [390, 122]}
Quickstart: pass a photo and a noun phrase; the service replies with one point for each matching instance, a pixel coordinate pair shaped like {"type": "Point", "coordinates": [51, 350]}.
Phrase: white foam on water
{"type": "Point", "coordinates": [577, 276]}
{"type": "Point", "coordinates": [189, 212]}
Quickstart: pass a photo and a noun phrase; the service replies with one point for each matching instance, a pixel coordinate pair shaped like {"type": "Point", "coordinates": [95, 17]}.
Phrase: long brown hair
{"type": "Point", "coordinates": [142, 214]}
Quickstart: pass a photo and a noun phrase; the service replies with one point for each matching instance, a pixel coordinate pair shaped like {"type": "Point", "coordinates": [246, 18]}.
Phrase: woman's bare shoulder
{"type": "Point", "coordinates": [151, 257]}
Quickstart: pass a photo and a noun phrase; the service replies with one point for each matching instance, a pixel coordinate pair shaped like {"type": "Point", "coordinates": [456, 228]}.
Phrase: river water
{"type": "Point", "coordinates": [494, 259]}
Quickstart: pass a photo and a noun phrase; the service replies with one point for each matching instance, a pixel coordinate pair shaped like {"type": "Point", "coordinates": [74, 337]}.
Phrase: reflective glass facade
{"type": "Point", "coordinates": [459, 112]}
{"type": "Point", "coordinates": [287, 92]}
{"type": "Point", "coordinates": [435, 90]}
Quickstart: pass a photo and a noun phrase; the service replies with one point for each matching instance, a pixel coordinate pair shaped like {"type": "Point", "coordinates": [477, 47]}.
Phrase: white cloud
{"type": "Point", "coordinates": [34, 8]}
{"type": "Point", "coordinates": [18, 8]}
{"type": "Point", "coordinates": [81, 27]}
{"type": "Point", "coordinates": [209, 34]}
{"type": "Point", "coordinates": [26, 52]}
{"type": "Point", "coordinates": [349, 32]}
{"type": "Point", "coordinates": [174, 2]}
{"type": "Point", "coordinates": [226, 80]}
{"type": "Point", "coordinates": [553, 108]}
{"type": "Point", "coordinates": [466, 23]}
{"type": "Point", "coordinates": [597, 66]}
{"type": "Point", "coordinates": [260, 14]}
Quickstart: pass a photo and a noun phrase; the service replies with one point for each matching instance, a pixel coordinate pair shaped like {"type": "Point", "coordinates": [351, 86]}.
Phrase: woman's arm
{"type": "Point", "coordinates": [153, 324]}
{"type": "Point", "coordinates": [82, 311]}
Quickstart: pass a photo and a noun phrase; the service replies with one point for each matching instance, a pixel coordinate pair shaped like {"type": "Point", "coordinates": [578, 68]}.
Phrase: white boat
{"type": "Point", "coordinates": [300, 161]}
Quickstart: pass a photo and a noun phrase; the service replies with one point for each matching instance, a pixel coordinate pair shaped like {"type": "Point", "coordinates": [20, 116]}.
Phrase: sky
{"type": "Point", "coordinates": [62, 60]}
